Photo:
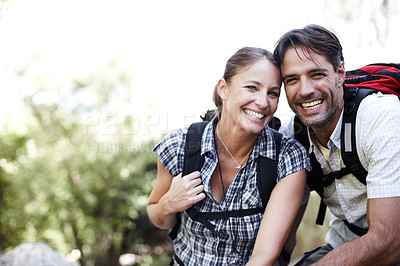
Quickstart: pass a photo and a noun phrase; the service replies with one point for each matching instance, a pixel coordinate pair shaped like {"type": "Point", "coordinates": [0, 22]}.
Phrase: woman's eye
{"type": "Point", "coordinates": [274, 94]}
{"type": "Point", "coordinates": [253, 88]}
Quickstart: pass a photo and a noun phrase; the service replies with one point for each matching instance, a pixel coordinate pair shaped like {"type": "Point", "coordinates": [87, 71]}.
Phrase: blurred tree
{"type": "Point", "coordinates": [61, 186]}
{"type": "Point", "coordinates": [372, 17]}
{"type": "Point", "coordinates": [75, 180]}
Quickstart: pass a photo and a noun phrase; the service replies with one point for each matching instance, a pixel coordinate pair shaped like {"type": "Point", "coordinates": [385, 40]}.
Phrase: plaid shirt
{"type": "Point", "coordinates": [197, 245]}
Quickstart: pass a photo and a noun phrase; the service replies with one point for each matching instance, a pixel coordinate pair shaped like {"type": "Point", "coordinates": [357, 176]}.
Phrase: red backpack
{"type": "Point", "coordinates": [381, 77]}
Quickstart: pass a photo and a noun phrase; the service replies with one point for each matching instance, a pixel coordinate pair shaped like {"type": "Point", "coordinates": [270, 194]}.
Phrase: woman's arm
{"type": "Point", "coordinates": [279, 215]}
{"type": "Point", "coordinates": [171, 195]}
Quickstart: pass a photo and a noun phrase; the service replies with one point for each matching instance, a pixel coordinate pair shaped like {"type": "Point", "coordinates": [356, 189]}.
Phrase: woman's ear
{"type": "Point", "coordinates": [222, 88]}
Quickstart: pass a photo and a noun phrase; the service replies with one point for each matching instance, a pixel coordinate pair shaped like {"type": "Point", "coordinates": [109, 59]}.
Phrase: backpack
{"type": "Point", "coordinates": [193, 161]}
{"type": "Point", "coordinates": [358, 84]}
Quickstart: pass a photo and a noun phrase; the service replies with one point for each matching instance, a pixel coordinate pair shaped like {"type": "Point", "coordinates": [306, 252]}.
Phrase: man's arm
{"type": "Point", "coordinates": [380, 246]}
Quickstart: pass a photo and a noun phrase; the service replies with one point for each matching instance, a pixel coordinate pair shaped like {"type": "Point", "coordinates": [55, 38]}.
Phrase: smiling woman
{"type": "Point", "coordinates": [233, 143]}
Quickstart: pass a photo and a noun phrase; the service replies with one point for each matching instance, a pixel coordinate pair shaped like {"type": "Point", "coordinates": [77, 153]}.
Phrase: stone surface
{"type": "Point", "coordinates": [34, 254]}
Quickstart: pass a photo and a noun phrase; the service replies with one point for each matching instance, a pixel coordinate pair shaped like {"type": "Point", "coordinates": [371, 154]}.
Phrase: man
{"type": "Point", "coordinates": [313, 72]}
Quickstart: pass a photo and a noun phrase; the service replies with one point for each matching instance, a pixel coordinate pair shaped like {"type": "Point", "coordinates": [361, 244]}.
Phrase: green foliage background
{"type": "Point", "coordinates": [62, 186]}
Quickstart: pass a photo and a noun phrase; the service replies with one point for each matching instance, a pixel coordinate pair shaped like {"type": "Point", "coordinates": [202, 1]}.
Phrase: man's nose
{"type": "Point", "coordinates": [306, 87]}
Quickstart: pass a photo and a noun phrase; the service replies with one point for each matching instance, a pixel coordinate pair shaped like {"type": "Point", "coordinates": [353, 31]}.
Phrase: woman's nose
{"type": "Point", "coordinates": [262, 100]}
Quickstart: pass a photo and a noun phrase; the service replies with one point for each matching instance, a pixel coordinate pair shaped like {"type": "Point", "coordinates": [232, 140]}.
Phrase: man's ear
{"type": "Point", "coordinates": [341, 72]}
{"type": "Point", "coordinates": [222, 88]}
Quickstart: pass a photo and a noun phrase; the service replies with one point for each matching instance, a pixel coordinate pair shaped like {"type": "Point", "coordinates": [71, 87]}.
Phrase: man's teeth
{"type": "Point", "coordinates": [311, 105]}
{"type": "Point", "coordinates": [254, 114]}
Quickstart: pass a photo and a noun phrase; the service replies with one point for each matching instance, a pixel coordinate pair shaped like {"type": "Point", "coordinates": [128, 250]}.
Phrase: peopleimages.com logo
{"type": "Point", "coordinates": [135, 124]}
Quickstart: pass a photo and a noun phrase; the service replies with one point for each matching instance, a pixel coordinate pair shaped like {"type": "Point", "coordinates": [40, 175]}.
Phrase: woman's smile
{"type": "Point", "coordinates": [254, 114]}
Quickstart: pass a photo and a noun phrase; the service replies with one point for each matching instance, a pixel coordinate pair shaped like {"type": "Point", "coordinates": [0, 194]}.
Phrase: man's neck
{"type": "Point", "coordinates": [323, 134]}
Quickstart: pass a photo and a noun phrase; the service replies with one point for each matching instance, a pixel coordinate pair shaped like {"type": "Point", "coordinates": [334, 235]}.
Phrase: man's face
{"type": "Point", "coordinates": [313, 88]}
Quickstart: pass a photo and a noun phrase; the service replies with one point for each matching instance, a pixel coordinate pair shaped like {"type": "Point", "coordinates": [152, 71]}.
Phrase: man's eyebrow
{"type": "Point", "coordinates": [288, 76]}
{"type": "Point", "coordinates": [318, 70]}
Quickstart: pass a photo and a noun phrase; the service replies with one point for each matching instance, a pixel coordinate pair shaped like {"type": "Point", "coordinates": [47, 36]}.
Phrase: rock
{"type": "Point", "coordinates": [34, 254]}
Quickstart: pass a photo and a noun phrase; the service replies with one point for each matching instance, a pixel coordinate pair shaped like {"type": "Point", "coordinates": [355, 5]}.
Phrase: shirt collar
{"type": "Point", "coordinates": [207, 140]}
{"type": "Point", "coordinates": [334, 139]}
{"type": "Point", "coordinates": [265, 144]}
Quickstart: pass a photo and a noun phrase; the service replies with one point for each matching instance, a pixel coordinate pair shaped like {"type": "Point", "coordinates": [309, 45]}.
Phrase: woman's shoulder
{"type": "Point", "coordinates": [289, 145]}
{"type": "Point", "coordinates": [171, 149]}
{"type": "Point", "coordinates": [173, 140]}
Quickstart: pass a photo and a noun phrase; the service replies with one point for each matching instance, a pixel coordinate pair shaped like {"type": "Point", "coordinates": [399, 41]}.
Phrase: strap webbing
{"type": "Point", "coordinates": [355, 229]}
{"type": "Point", "coordinates": [265, 181]}
{"type": "Point", "coordinates": [192, 160]}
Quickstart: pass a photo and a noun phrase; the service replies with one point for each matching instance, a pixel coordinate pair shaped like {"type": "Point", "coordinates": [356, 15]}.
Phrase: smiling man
{"type": "Point", "coordinates": [365, 227]}
{"type": "Point", "coordinates": [314, 89]}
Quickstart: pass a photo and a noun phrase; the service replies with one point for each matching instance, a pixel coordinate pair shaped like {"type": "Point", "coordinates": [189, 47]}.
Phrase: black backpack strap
{"type": "Point", "coordinates": [205, 217]}
{"type": "Point", "coordinates": [315, 179]}
{"type": "Point", "coordinates": [355, 229]}
{"type": "Point", "coordinates": [353, 98]}
{"type": "Point", "coordinates": [192, 161]}
{"type": "Point", "coordinates": [300, 133]}
{"type": "Point", "coordinates": [314, 182]}
{"type": "Point", "coordinates": [275, 123]}
{"type": "Point", "coordinates": [266, 182]}
{"type": "Point", "coordinates": [315, 176]}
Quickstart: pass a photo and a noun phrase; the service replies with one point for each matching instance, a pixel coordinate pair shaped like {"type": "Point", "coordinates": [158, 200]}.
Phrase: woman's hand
{"type": "Point", "coordinates": [184, 192]}
{"type": "Point", "coordinates": [171, 195]}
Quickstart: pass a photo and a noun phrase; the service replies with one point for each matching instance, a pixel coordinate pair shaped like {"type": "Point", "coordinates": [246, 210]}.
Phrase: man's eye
{"type": "Point", "coordinates": [290, 81]}
{"type": "Point", "coordinates": [317, 75]}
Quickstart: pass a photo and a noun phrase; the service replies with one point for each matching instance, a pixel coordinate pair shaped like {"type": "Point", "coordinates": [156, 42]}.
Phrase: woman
{"type": "Point", "coordinates": [246, 98]}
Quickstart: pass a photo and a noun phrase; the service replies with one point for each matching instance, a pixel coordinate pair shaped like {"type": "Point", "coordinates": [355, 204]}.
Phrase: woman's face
{"type": "Point", "coordinates": [251, 97]}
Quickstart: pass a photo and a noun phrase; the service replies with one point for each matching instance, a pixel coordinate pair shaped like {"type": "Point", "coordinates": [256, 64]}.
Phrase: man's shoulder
{"type": "Point", "coordinates": [378, 101]}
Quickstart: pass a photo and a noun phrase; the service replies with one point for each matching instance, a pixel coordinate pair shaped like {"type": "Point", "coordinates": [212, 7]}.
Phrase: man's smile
{"type": "Point", "coordinates": [311, 105]}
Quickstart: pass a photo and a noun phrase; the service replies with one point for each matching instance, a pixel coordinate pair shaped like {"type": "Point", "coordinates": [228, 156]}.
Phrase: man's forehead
{"type": "Point", "coordinates": [302, 52]}
{"type": "Point", "coordinates": [305, 55]}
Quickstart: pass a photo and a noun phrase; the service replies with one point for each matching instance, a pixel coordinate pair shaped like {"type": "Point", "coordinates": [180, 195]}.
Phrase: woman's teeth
{"type": "Point", "coordinates": [254, 114]}
{"type": "Point", "coordinates": [311, 105]}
